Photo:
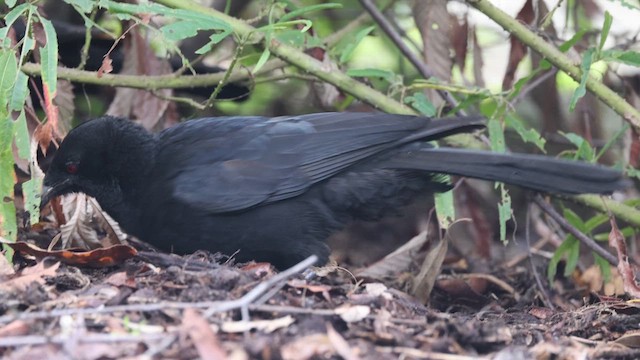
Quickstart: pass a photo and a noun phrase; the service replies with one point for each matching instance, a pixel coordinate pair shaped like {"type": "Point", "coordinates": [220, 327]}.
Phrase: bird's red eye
{"type": "Point", "coordinates": [72, 168]}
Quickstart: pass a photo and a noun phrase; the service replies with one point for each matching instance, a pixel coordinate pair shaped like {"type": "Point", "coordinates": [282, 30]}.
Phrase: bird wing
{"type": "Point", "coordinates": [234, 163]}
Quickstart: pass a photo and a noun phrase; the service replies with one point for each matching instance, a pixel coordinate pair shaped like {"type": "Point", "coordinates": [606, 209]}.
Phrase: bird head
{"type": "Point", "coordinates": [95, 158]}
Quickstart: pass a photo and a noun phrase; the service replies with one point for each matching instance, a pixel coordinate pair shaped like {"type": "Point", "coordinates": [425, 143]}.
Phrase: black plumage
{"type": "Point", "coordinates": [274, 189]}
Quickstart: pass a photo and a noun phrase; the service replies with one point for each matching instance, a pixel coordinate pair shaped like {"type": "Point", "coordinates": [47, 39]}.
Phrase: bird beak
{"type": "Point", "coordinates": [50, 192]}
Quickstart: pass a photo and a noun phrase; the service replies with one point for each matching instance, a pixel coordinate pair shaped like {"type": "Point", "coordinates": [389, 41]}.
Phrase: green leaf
{"type": "Point", "coordinates": [372, 73]}
{"type": "Point", "coordinates": [564, 47]}
{"type": "Point", "coordinates": [8, 72]}
{"type": "Point", "coordinates": [528, 135]}
{"type": "Point", "coordinates": [573, 254]}
{"type": "Point", "coordinates": [8, 222]}
{"type": "Point", "coordinates": [587, 59]}
{"type": "Point", "coordinates": [215, 38]}
{"type": "Point", "coordinates": [605, 267]}
{"type": "Point", "coordinates": [49, 57]}
{"type": "Point", "coordinates": [347, 51]}
{"type": "Point", "coordinates": [420, 102]}
{"type": "Point", "coordinates": [585, 151]}
{"type": "Point", "coordinates": [31, 190]}
{"type": "Point", "coordinates": [299, 12]}
{"type": "Point", "coordinates": [608, 19]}
{"type": "Point", "coordinates": [180, 30]}
{"type": "Point", "coordinates": [445, 209]}
{"type": "Point", "coordinates": [10, 3]}
{"type": "Point", "coordinates": [613, 140]}
{"type": "Point", "coordinates": [632, 172]}
{"type": "Point", "coordinates": [12, 16]}
{"type": "Point", "coordinates": [21, 136]}
{"type": "Point", "coordinates": [505, 213]}
{"type": "Point", "coordinates": [573, 219]}
{"type": "Point", "coordinates": [552, 268]}
{"type": "Point", "coordinates": [628, 57]}
{"type": "Point", "coordinates": [496, 135]}
{"type": "Point", "coordinates": [262, 60]}
{"type": "Point", "coordinates": [20, 92]}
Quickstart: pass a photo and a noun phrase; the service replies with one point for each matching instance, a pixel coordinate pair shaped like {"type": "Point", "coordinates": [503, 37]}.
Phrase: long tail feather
{"type": "Point", "coordinates": [539, 173]}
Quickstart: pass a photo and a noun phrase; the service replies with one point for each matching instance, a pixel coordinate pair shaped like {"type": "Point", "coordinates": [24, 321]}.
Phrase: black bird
{"type": "Point", "coordinates": [276, 188]}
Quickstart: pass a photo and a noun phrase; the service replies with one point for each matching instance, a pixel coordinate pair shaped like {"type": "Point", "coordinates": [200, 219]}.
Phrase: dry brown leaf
{"type": "Point", "coordinates": [433, 21]}
{"type": "Point", "coordinates": [478, 63]}
{"type": "Point", "coordinates": [106, 67]}
{"type": "Point", "coordinates": [616, 241]}
{"type": "Point", "coordinates": [630, 339]}
{"type": "Point", "coordinates": [64, 100]}
{"type": "Point", "coordinates": [204, 339]}
{"type": "Point", "coordinates": [430, 269]}
{"type": "Point", "coordinates": [15, 328]}
{"type": "Point", "coordinates": [301, 284]}
{"type": "Point", "coordinates": [397, 262]}
{"type": "Point", "coordinates": [518, 49]}
{"type": "Point", "coordinates": [35, 273]}
{"type": "Point", "coordinates": [136, 104]}
{"type": "Point", "coordinates": [340, 344]}
{"type": "Point", "coordinates": [307, 347]}
{"type": "Point", "coordinates": [101, 257]}
{"type": "Point", "coordinates": [6, 269]}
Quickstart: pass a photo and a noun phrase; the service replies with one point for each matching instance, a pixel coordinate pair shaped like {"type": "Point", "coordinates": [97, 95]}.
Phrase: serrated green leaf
{"type": "Point", "coordinates": [262, 60]}
{"type": "Point", "coordinates": [49, 57]}
{"type": "Point", "coordinates": [372, 73]}
{"type": "Point", "coordinates": [11, 17]}
{"type": "Point", "coordinates": [632, 172]}
{"type": "Point", "coordinates": [587, 59]}
{"type": "Point", "coordinates": [505, 212]}
{"type": "Point", "coordinates": [573, 254]}
{"type": "Point", "coordinates": [605, 267]}
{"type": "Point", "coordinates": [21, 136]}
{"type": "Point", "coordinates": [496, 135]}
{"type": "Point", "coordinates": [608, 19]}
{"type": "Point", "coordinates": [628, 57]}
{"type": "Point", "coordinates": [573, 219]}
{"type": "Point", "coordinates": [215, 38]}
{"type": "Point", "coordinates": [347, 51]}
{"type": "Point", "coordinates": [528, 135]}
{"type": "Point", "coordinates": [445, 209]}
{"type": "Point", "coordinates": [552, 268]}
{"type": "Point", "coordinates": [564, 47]}
{"type": "Point", "coordinates": [8, 71]}
{"type": "Point", "coordinates": [185, 29]}
{"type": "Point", "coordinates": [8, 222]}
{"type": "Point", "coordinates": [31, 190]}
{"type": "Point", "coordinates": [594, 222]}
{"type": "Point", "coordinates": [420, 102]}
{"type": "Point", "coordinates": [585, 151]}
{"type": "Point", "coordinates": [20, 92]}
{"type": "Point", "coordinates": [305, 10]}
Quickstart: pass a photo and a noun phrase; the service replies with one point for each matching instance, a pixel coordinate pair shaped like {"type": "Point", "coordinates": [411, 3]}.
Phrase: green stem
{"type": "Point", "coordinates": [559, 59]}
{"type": "Point", "coordinates": [604, 204]}
{"type": "Point", "coordinates": [299, 59]}
{"type": "Point", "coordinates": [152, 82]}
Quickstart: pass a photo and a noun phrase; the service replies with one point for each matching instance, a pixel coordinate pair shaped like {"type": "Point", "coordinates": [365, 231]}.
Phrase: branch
{"type": "Point", "coordinates": [152, 82]}
{"type": "Point", "coordinates": [299, 59]}
{"type": "Point", "coordinates": [587, 241]}
{"type": "Point", "coordinates": [559, 59]}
